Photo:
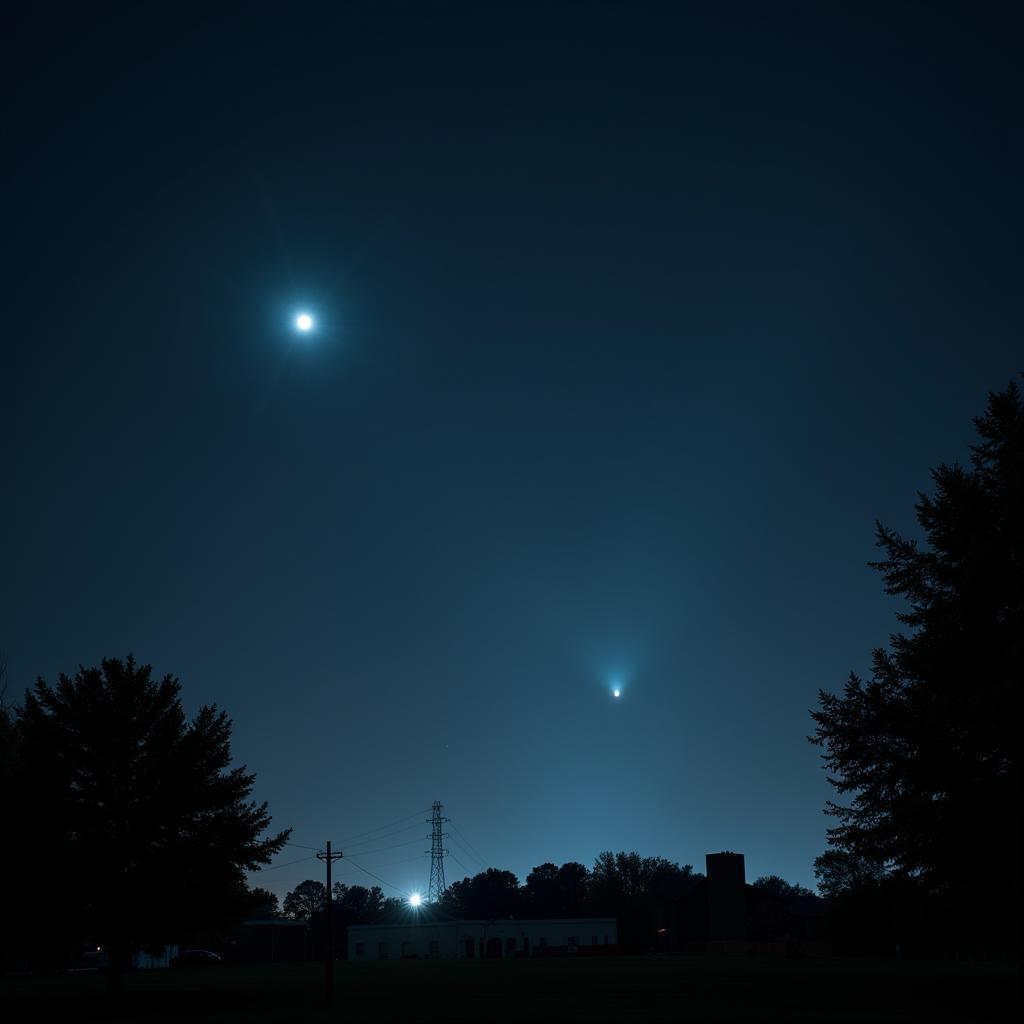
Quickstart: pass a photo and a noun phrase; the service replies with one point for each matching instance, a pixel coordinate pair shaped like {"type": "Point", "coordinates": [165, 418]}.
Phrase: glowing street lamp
{"type": "Point", "coordinates": [304, 323]}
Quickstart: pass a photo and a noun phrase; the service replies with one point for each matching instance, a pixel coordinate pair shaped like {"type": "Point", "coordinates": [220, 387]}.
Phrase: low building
{"type": "Point", "coordinates": [472, 940]}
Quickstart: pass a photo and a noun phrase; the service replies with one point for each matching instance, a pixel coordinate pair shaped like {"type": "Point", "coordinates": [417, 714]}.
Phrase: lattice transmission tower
{"type": "Point", "coordinates": [437, 853]}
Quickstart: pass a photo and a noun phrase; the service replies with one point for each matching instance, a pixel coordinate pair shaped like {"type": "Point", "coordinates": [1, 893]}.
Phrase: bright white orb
{"type": "Point", "coordinates": [415, 899]}
{"type": "Point", "coordinates": [304, 322]}
{"type": "Point", "coordinates": [616, 693]}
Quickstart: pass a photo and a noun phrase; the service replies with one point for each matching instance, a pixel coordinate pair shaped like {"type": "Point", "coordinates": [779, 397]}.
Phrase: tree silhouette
{"type": "Point", "coordinates": [27, 899]}
{"type": "Point", "coordinates": [153, 829]}
{"type": "Point", "coordinates": [572, 881]}
{"type": "Point", "coordinates": [644, 893]}
{"type": "Point", "coordinates": [540, 891]}
{"type": "Point", "coordinates": [357, 903]}
{"type": "Point", "coordinates": [490, 894]}
{"type": "Point", "coordinates": [552, 891]}
{"type": "Point", "coordinates": [8, 738]}
{"type": "Point", "coordinates": [305, 900]}
{"type": "Point", "coordinates": [778, 888]}
{"type": "Point", "coordinates": [927, 748]}
{"type": "Point", "coordinates": [838, 872]}
{"type": "Point", "coordinates": [626, 881]}
{"type": "Point", "coordinates": [263, 903]}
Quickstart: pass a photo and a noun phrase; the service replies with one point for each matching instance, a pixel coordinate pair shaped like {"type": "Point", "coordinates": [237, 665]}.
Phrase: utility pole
{"type": "Point", "coordinates": [330, 858]}
{"type": "Point", "coordinates": [437, 854]}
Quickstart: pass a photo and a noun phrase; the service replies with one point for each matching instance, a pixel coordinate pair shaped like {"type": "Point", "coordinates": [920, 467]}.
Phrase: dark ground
{"type": "Point", "coordinates": [670, 988]}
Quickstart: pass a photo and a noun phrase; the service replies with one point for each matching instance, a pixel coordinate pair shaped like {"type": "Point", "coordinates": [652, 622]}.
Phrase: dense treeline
{"type": "Point", "coordinates": [618, 883]}
{"type": "Point", "coordinates": [657, 903]}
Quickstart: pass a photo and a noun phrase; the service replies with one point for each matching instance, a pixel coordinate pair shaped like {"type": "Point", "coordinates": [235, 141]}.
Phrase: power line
{"type": "Point", "coordinates": [468, 853]}
{"type": "Point", "coordinates": [401, 860]}
{"type": "Point", "coordinates": [386, 835]}
{"type": "Point", "coordinates": [404, 860]}
{"type": "Point", "coordinates": [459, 862]}
{"type": "Point", "coordinates": [287, 864]}
{"type": "Point", "coordinates": [352, 839]}
{"type": "Point", "coordinates": [470, 846]}
{"type": "Point", "coordinates": [372, 875]}
{"type": "Point", "coordinates": [393, 846]}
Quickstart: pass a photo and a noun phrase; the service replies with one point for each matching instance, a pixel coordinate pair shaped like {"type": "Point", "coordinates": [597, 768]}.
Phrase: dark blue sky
{"type": "Point", "coordinates": [632, 319]}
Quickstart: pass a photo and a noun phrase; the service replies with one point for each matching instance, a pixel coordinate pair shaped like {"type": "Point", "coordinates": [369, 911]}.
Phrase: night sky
{"type": "Point", "coordinates": [630, 321]}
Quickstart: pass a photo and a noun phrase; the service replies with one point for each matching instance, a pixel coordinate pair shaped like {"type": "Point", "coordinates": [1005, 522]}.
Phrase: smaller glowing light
{"type": "Point", "coordinates": [616, 693]}
{"type": "Point", "coordinates": [304, 322]}
{"type": "Point", "coordinates": [415, 899]}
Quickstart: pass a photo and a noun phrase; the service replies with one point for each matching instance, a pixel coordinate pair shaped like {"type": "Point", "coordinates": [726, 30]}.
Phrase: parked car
{"type": "Point", "coordinates": [196, 958]}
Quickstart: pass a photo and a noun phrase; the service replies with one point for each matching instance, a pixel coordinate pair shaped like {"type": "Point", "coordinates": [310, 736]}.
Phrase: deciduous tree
{"type": "Point", "coordinates": [838, 872]}
{"type": "Point", "coordinates": [490, 894]}
{"type": "Point", "coordinates": [263, 903]}
{"type": "Point", "coordinates": [305, 900]}
{"type": "Point", "coordinates": [552, 891]}
{"type": "Point", "coordinates": [152, 826]}
{"type": "Point", "coordinates": [776, 886]}
{"type": "Point", "coordinates": [357, 903]}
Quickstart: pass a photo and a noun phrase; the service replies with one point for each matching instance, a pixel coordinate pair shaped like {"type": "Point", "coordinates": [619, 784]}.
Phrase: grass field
{"type": "Point", "coordinates": [667, 988]}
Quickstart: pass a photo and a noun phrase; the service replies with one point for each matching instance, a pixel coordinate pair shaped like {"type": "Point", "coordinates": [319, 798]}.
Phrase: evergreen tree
{"type": "Point", "coordinates": [927, 748]}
